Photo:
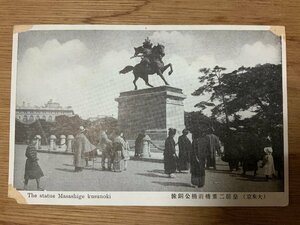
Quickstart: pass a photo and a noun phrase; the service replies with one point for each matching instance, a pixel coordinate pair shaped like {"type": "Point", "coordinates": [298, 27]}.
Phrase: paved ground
{"type": "Point", "coordinates": [140, 176]}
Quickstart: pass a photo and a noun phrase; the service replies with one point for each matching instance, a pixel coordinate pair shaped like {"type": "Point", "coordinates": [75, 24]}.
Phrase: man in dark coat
{"type": "Point", "coordinates": [251, 148]}
{"type": "Point", "coordinates": [32, 168]}
{"type": "Point", "coordinates": [214, 147]}
{"type": "Point", "coordinates": [106, 148]}
{"type": "Point", "coordinates": [199, 153]}
{"type": "Point", "coordinates": [139, 145]}
{"type": "Point", "coordinates": [170, 154]}
{"type": "Point", "coordinates": [232, 150]}
{"type": "Point", "coordinates": [185, 148]}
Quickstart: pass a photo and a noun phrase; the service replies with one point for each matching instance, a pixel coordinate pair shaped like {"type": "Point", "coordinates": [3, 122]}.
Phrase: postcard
{"type": "Point", "coordinates": [149, 115]}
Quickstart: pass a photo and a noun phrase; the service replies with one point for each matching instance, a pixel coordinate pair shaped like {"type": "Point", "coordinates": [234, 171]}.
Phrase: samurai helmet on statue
{"type": "Point", "coordinates": [147, 43]}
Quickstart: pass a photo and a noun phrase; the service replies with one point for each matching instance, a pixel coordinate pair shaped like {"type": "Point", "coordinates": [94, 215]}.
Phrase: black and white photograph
{"type": "Point", "coordinates": [149, 115]}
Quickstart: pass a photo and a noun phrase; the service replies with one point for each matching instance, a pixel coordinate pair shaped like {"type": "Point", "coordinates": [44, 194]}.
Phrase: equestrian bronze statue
{"type": "Point", "coordinates": [151, 63]}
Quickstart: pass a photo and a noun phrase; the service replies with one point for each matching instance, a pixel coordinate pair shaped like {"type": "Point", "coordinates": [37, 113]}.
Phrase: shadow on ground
{"type": "Point", "coordinates": [152, 175]}
{"type": "Point", "coordinates": [66, 170]}
{"type": "Point", "coordinates": [173, 184]}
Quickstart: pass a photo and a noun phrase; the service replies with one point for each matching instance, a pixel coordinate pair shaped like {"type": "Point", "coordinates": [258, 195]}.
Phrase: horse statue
{"type": "Point", "coordinates": [150, 64]}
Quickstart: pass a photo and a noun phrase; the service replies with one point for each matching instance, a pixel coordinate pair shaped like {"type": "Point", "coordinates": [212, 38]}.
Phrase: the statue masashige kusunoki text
{"type": "Point", "coordinates": [151, 63]}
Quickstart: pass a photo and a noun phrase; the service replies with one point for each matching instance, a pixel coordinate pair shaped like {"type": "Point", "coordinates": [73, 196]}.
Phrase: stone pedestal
{"type": "Point", "coordinates": [153, 110]}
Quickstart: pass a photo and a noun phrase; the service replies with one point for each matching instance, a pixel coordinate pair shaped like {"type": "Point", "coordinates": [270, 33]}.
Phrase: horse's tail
{"type": "Point", "coordinates": [126, 69]}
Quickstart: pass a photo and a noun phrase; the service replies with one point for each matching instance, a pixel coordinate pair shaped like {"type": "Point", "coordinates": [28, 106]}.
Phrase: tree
{"type": "Point", "coordinates": [212, 82]}
{"type": "Point", "coordinates": [63, 125]}
{"type": "Point", "coordinates": [259, 90]}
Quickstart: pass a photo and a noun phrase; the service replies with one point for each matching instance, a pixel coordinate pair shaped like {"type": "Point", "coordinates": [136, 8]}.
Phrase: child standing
{"type": "Point", "coordinates": [268, 163]}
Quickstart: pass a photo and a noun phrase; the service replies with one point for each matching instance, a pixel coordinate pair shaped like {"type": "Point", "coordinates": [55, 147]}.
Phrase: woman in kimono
{"type": "Point", "coordinates": [118, 149]}
{"type": "Point", "coordinates": [199, 153]}
{"type": "Point", "coordinates": [81, 148]}
{"type": "Point", "coordinates": [32, 168]}
{"type": "Point", "coordinates": [170, 157]}
{"type": "Point", "coordinates": [268, 163]}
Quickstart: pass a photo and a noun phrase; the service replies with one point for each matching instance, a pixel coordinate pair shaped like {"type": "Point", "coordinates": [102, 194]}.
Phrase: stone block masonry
{"type": "Point", "coordinates": [154, 110]}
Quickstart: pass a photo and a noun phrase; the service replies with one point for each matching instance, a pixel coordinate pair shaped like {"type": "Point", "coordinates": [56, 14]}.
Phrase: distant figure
{"type": "Point", "coordinates": [32, 168]}
{"type": "Point", "coordinates": [126, 150]}
{"type": "Point", "coordinates": [251, 149]}
{"type": "Point", "coordinates": [199, 153]}
{"type": "Point", "coordinates": [268, 163]}
{"type": "Point", "coordinates": [170, 157]}
{"type": "Point", "coordinates": [106, 148]}
{"type": "Point", "coordinates": [81, 146]}
{"type": "Point", "coordinates": [146, 152]}
{"type": "Point", "coordinates": [232, 150]}
{"type": "Point", "coordinates": [214, 147]}
{"type": "Point", "coordinates": [138, 145]}
{"type": "Point", "coordinates": [185, 148]}
{"type": "Point", "coordinates": [277, 146]}
{"type": "Point", "coordinates": [118, 149]}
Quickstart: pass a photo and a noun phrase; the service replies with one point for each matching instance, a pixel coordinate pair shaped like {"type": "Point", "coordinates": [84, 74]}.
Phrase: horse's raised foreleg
{"type": "Point", "coordinates": [171, 68]}
{"type": "Point", "coordinates": [166, 67]}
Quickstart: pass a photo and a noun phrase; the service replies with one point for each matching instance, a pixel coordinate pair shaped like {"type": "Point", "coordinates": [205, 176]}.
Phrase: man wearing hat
{"type": "Point", "coordinates": [80, 148]}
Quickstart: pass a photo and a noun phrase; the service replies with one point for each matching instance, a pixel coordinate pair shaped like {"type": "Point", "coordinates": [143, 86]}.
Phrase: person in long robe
{"type": "Point", "coordinates": [268, 163]}
{"type": "Point", "coordinates": [138, 145]}
{"type": "Point", "coordinates": [214, 147]}
{"type": "Point", "coordinates": [118, 152]}
{"type": "Point", "coordinates": [82, 146]}
{"type": "Point", "coordinates": [251, 154]}
{"type": "Point", "coordinates": [232, 150]}
{"type": "Point", "coordinates": [32, 168]}
{"type": "Point", "coordinates": [199, 152]}
{"type": "Point", "coordinates": [106, 148]}
{"type": "Point", "coordinates": [170, 157]}
{"type": "Point", "coordinates": [146, 141]}
{"type": "Point", "coordinates": [185, 147]}
{"type": "Point", "coordinates": [126, 150]}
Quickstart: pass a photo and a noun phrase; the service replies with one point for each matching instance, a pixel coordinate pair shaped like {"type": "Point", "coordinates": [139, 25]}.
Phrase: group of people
{"type": "Point", "coordinates": [196, 156]}
{"type": "Point", "coordinates": [115, 151]}
{"type": "Point", "coordinates": [246, 150]}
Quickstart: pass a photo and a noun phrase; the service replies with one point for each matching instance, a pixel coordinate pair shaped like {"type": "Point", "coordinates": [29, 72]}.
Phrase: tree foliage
{"type": "Point", "coordinates": [248, 89]}
{"type": "Point", "coordinates": [63, 125]}
{"type": "Point", "coordinates": [211, 82]}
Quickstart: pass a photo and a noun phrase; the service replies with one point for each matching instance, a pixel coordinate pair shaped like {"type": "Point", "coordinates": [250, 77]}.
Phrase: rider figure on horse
{"type": "Point", "coordinates": [151, 63]}
{"type": "Point", "coordinates": [147, 54]}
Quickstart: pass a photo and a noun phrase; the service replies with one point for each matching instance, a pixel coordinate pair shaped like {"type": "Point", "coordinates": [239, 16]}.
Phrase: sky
{"type": "Point", "coordinates": [81, 68]}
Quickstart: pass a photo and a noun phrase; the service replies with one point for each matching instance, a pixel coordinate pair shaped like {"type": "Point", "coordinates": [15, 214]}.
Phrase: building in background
{"type": "Point", "coordinates": [29, 114]}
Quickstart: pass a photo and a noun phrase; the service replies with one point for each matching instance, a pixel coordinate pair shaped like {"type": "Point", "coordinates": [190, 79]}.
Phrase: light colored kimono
{"type": "Point", "coordinates": [146, 152]}
{"type": "Point", "coordinates": [269, 168]}
{"type": "Point", "coordinates": [81, 146]}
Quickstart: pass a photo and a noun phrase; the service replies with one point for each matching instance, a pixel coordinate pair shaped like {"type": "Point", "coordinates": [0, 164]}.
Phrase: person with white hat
{"type": "Point", "coordinates": [81, 147]}
{"type": "Point", "coordinates": [268, 163]}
